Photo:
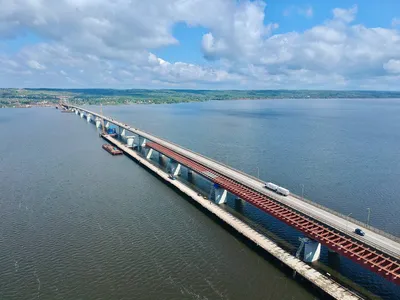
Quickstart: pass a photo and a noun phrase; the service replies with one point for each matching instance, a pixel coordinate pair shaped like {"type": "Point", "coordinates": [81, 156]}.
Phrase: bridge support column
{"type": "Point", "coordinates": [149, 153]}
{"type": "Point", "coordinates": [190, 176]}
{"type": "Point", "coordinates": [107, 125]}
{"type": "Point", "coordinates": [88, 118]}
{"type": "Point", "coordinates": [312, 250]}
{"type": "Point", "coordinates": [220, 196]}
{"type": "Point", "coordinates": [161, 159]}
{"type": "Point", "coordinates": [217, 194]}
{"type": "Point", "coordinates": [76, 111]}
{"type": "Point", "coordinates": [122, 132]}
{"type": "Point", "coordinates": [130, 140]}
{"type": "Point", "coordinates": [174, 168]}
{"type": "Point", "coordinates": [141, 143]}
{"type": "Point", "coordinates": [119, 132]}
{"type": "Point", "coordinates": [333, 259]}
{"type": "Point", "coordinates": [239, 204]}
{"type": "Point", "coordinates": [82, 114]}
{"type": "Point", "coordinates": [98, 122]}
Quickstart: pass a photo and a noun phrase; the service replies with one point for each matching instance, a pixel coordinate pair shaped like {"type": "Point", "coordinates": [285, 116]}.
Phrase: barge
{"type": "Point", "coordinates": [112, 150]}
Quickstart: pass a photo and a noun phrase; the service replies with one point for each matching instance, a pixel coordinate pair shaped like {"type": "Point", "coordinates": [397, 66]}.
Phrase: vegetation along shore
{"type": "Point", "coordinates": [49, 97]}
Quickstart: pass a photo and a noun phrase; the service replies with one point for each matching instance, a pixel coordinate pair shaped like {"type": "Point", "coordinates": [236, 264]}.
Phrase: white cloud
{"type": "Point", "coordinates": [241, 36]}
{"type": "Point", "coordinates": [395, 22]}
{"type": "Point", "coordinates": [35, 65]}
{"type": "Point", "coordinates": [334, 49]}
{"type": "Point", "coordinates": [306, 11]}
{"type": "Point", "coordinates": [110, 43]}
{"type": "Point", "coordinates": [392, 66]}
{"type": "Point", "coordinates": [180, 72]}
{"type": "Point", "coordinates": [346, 15]}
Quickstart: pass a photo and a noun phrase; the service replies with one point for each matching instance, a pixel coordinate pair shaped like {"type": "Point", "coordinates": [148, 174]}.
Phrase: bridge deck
{"type": "Point", "coordinates": [385, 266]}
{"type": "Point", "coordinates": [374, 239]}
{"type": "Point", "coordinates": [327, 284]}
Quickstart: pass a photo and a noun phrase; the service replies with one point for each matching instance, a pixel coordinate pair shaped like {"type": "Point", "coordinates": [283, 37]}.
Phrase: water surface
{"type": "Point", "coordinates": [77, 223]}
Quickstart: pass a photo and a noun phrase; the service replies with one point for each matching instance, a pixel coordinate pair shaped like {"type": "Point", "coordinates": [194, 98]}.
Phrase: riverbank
{"type": "Point", "coordinates": [46, 97]}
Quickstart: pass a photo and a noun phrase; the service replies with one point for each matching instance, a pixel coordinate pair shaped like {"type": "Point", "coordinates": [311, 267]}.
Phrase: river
{"type": "Point", "coordinates": [77, 223]}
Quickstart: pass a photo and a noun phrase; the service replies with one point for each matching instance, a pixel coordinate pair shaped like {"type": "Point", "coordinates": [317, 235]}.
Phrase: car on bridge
{"type": "Point", "coordinates": [359, 231]}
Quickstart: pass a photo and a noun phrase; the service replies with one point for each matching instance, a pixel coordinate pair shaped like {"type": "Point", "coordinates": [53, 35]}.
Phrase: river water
{"type": "Point", "coordinates": [77, 223]}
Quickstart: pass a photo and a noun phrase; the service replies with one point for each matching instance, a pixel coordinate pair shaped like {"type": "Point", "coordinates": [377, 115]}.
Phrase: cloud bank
{"type": "Point", "coordinates": [111, 43]}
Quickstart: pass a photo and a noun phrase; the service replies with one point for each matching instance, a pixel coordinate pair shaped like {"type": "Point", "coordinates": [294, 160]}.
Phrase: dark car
{"type": "Point", "coordinates": [171, 177]}
{"type": "Point", "coordinates": [359, 232]}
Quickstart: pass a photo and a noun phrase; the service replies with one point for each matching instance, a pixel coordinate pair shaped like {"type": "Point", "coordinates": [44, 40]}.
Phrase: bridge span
{"type": "Point", "coordinates": [376, 251]}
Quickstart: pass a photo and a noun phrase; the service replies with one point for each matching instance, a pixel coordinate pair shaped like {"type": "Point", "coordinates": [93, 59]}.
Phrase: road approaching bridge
{"type": "Point", "coordinates": [376, 251]}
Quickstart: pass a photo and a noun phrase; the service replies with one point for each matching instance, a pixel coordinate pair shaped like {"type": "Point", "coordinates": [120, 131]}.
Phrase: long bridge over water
{"type": "Point", "coordinates": [377, 251]}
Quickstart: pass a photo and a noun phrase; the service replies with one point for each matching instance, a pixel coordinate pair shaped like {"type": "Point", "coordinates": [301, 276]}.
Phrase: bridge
{"type": "Point", "coordinates": [377, 251]}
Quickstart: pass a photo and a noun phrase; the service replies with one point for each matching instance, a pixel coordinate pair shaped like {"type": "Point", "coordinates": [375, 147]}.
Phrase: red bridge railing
{"type": "Point", "coordinates": [372, 259]}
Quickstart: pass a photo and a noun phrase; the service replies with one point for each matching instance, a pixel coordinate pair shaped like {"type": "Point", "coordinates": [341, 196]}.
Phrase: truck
{"type": "Point", "coordinates": [282, 191]}
{"type": "Point", "coordinates": [271, 186]}
{"type": "Point", "coordinates": [276, 188]}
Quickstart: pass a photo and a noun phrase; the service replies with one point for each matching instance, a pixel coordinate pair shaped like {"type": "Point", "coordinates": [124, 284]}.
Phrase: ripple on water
{"type": "Point", "coordinates": [89, 225]}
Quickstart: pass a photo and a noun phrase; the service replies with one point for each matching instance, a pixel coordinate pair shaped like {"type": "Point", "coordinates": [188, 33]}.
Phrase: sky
{"type": "Point", "coordinates": [200, 44]}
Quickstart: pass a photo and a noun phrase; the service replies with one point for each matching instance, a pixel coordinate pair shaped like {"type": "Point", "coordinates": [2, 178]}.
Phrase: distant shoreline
{"type": "Point", "coordinates": [159, 103]}
{"type": "Point", "coordinates": [25, 98]}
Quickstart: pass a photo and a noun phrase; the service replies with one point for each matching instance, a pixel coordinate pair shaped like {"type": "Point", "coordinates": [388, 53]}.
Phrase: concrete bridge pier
{"type": "Point", "coordinates": [98, 122]}
{"type": "Point", "coordinates": [239, 204]}
{"type": "Point", "coordinates": [312, 250]}
{"type": "Point", "coordinates": [161, 159]}
{"type": "Point", "coordinates": [107, 125]}
{"type": "Point", "coordinates": [141, 143]}
{"type": "Point", "coordinates": [122, 132]}
{"type": "Point", "coordinates": [89, 118]}
{"type": "Point", "coordinates": [76, 111]}
{"type": "Point", "coordinates": [190, 176]}
{"type": "Point", "coordinates": [333, 259]}
{"type": "Point", "coordinates": [149, 153]}
{"type": "Point", "coordinates": [218, 194]}
{"type": "Point", "coordinates": [174, 168]}
{"type": "Point", "coordinates": [82, 113]}
{"type": "Point", "coordinates": [130, 140]}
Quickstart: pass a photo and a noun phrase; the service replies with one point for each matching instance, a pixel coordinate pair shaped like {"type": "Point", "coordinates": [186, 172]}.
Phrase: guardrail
{"type": "Point", "coordinates": [332, 225]}
{"type": "Point", "coordinates": [371, 228]}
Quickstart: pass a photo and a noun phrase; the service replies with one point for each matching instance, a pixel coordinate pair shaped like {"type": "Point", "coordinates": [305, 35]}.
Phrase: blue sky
{"type": "Point", "coordinates": [218, 44]}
